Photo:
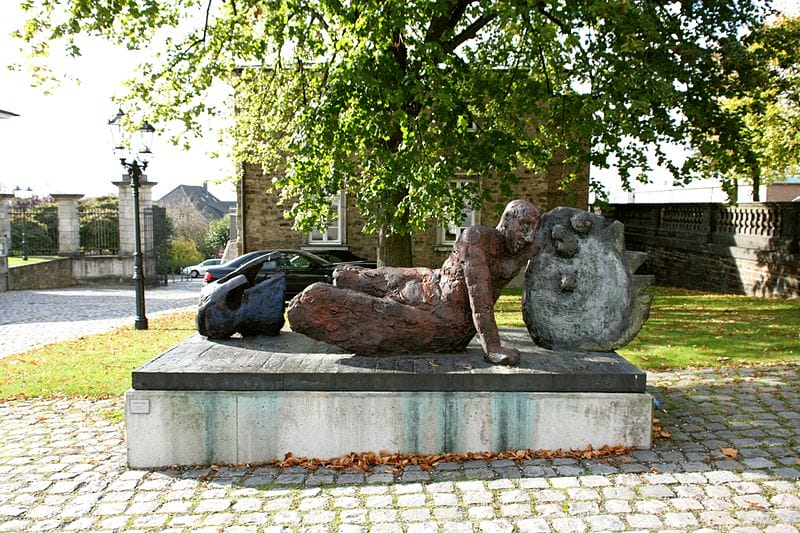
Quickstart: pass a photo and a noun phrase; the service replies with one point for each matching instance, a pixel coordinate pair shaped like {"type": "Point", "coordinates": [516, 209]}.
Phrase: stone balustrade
{"type": "Point", "coordinates": [745, 249]}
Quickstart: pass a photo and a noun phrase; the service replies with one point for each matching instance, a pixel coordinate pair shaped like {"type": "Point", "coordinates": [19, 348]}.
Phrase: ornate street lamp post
{"type": "Point", "coordinates": [134, 154]}
{"type": "Point", "coordinates": [24, 195]}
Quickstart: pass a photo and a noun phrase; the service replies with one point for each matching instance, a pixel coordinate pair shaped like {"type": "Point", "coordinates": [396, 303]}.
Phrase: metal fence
{"type": "Point", "coordinates": [99, 229]}
{"type": "Point", "coordinates": [34, 230]}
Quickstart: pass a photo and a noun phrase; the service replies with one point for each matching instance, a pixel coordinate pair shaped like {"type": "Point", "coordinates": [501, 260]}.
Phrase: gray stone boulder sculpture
{"type": "Point", "coordinates": [580, 291]}
{"type": "Point", "coordinates": [237, 303]}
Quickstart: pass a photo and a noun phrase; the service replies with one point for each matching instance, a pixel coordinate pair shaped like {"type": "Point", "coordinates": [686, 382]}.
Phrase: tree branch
{"type": "Point", "coordinates": [399, 49]}
{"type": "Point", "coordinates": [439, 25]}
{"type": "Point", "coordinates": [196, 42]}
{"type": "Point", "coordinates": [561, 25]}
{"type": "Point", "coordinates": [470, 31]}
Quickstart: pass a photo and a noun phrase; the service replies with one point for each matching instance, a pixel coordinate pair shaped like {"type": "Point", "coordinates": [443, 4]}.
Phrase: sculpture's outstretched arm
{"type": "Point", "coordinates": [477, 276]}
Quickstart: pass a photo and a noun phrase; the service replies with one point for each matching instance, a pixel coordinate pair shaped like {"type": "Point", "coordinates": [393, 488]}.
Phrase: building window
{"type": "Point", "coordinates": [448, 233]}
{"type": "Point", "coordinates": [335, 232]}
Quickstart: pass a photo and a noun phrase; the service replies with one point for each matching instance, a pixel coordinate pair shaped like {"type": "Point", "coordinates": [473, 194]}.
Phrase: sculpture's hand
{"type": "Point", "coordinates": [502, 356]}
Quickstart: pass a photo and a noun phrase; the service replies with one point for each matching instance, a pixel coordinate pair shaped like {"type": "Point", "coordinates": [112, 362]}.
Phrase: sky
{"type": "Point", "coordinates": [61, 143]}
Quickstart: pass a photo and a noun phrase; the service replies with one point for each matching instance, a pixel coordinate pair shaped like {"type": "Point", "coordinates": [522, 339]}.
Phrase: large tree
{"type": "Point", "coordinates": [391, 99]}
{"type": "Point", "coordinates": [761, 143]}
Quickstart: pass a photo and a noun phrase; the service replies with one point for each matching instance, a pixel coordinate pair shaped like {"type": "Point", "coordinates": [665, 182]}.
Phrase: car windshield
{"type": "Point", "coordinates": [242, 259]}
{"type": "Point", "coordinates": [309, 258]}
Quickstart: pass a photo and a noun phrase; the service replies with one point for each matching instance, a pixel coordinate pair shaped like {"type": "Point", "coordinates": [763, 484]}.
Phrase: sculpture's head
{"type": "Point", "coordinates": [519, 223]}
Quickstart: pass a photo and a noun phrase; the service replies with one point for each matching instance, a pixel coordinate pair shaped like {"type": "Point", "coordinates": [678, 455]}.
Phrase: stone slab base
{"type": "Point", "coordinates": [291, 361]}
{"type": "Point", "coordinates": [234, 427]}
{"type": "Point", "coordinates": [255, 399]}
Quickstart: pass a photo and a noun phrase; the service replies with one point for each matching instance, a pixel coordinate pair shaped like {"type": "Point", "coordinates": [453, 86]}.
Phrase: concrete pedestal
{"type": "Point", "coordinates": [254, 400]}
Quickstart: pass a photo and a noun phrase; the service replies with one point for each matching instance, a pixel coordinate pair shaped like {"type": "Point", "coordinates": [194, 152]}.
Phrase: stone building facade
{"type": "Point", "coordinates": [261, 222]}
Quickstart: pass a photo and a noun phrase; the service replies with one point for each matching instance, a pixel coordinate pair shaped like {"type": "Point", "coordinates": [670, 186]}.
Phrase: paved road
{"type": "Point", "coordinates": [34, 318]}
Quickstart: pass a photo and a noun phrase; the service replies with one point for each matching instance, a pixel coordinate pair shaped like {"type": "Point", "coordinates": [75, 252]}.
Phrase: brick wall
{"type": "Point", "coordinates": [751, 249]}
{"type": "Point", "coordinates": [263, 226]}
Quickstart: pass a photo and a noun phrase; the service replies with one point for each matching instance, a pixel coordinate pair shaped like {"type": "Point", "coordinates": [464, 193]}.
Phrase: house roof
{"type": "Point", "coordinates": [7, 114]}
{"type": "Point", "coordinates": [207, 204]}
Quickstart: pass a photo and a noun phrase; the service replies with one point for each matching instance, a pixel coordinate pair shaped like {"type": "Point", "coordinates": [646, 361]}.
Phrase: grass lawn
{"type": "Point", "coordinates": [691, 328]}
{"type": "Point", "coordinates": [17, 261]}
{"type": "Point", "coordinates": [95, 366]}
{"type": "Point", "coordinates": [686, 328]}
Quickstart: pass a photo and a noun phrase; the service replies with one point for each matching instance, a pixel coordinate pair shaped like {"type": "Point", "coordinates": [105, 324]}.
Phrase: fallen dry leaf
{"type": "Point", "coordinates": [366, 461]}
{"type": "Point", "coordinates": [733, 453]}
{"type": "Point", "coordinates": [658, 431]}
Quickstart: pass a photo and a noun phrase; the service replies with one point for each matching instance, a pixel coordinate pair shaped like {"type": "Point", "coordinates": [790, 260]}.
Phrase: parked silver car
{"type": "Point", "coordinates": [195, 271]}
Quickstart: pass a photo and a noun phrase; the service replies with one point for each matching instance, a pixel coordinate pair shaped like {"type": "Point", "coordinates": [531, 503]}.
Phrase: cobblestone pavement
{"type": "Point", "coordinates": [33, 318]}
{"type": "Point", "coordinates": [732, 463]}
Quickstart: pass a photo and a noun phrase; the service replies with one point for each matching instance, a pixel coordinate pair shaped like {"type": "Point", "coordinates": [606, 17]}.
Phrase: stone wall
{"type": "Point", "coordinates": [45, 275]}
{"type": "Point", "coordinates": [750, 249]}
{"type": "Point", "coordinates": [262, 225]}
{"type": "Point", "coordinates": [112, 269]}
{"type": "Point", "coordinates": [89, 268]}
{"type": "Point", "coordinates": [71, 271]}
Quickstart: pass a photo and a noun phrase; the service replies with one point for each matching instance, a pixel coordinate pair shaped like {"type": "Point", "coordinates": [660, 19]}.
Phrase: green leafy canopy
{"type": "Point", "coordinates": [392, 99]}
{"type": "Point", "coordinates": [760, 140]}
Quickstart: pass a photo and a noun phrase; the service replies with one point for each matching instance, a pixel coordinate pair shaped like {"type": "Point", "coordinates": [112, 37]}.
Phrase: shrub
{"type": "Point", "coordinates": [182, 253]}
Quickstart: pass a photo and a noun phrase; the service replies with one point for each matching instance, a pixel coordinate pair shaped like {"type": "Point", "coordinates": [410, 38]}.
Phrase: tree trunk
{"type": "Point", "coordinates": [394, 250]}
{"type": "Point", "coordinates": [756, 185]}
{"type": "Point", "coordinates": [731, 188]}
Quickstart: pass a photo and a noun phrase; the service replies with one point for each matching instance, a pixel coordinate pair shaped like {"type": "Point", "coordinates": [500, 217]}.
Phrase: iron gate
{"type": "Point", "coordinates": [155, 246]}
{"type": "Point", "coordinates": [34, 229]}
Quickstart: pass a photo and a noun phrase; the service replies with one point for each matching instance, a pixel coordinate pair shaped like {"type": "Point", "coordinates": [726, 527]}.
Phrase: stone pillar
{"type": "Point", "coordinates": [5, 238]}
{"type": "Point", "coordinates": [232, 247]}
{"type": "Point", "coordinates": [69, 224]}
{"type": "Point", "coordinates": [126, 232]}
{"type": "Point", "coordinates": [234, 224]}
{"type": "Point", "coordinates": [3, 273]}
{"type": "Point", "coordinates": [5, 223]}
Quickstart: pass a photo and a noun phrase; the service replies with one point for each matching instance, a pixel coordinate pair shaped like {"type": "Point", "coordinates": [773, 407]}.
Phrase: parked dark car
{"type": "Point", "coordinates": [344, 256]}
{"type": "Point", "coordinates": [301, 268]}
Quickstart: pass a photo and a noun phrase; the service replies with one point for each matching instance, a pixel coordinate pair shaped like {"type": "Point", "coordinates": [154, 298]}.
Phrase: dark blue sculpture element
{"type": "Point", "coordinates": [237, 303]}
